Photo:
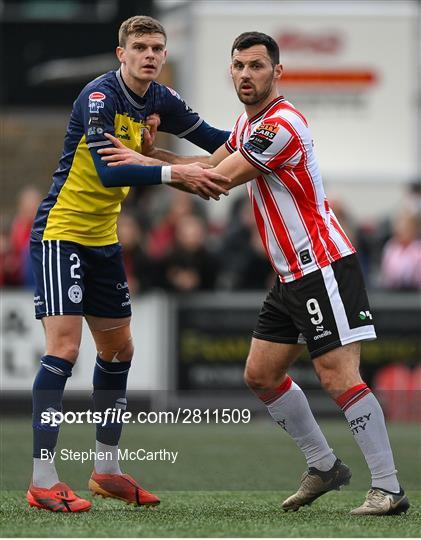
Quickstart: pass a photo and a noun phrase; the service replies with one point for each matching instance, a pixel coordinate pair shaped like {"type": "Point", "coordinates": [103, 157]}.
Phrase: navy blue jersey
{"type": "Point", "coordinates": [78, 207]}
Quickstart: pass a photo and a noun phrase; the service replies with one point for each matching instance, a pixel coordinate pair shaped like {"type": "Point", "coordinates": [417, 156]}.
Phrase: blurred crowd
{"type": "Point", "coordinates": [170, 243]}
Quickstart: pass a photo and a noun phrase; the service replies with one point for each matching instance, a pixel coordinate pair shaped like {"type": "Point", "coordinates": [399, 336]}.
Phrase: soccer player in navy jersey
{"type": "Point", "coordinates": [319, 299]}
{"type": "Point", "coordinates": [77, 259]}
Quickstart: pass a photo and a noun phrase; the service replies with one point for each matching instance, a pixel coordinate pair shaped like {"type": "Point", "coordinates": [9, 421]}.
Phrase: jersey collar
{"type": "Point", "coordinates": [137, 101]}
{"type": "Point", "coordinates": [259, 115]}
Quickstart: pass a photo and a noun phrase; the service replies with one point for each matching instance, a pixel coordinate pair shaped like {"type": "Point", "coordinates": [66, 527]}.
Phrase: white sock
{"type": "Point", "coordinates": [366, 421]}
{"type": "Point", "coordinates": [289, 407]}
{"type": "Point", "coordinates": [106, 459]}
{"type": "Point", "coordinates": [44, 473]}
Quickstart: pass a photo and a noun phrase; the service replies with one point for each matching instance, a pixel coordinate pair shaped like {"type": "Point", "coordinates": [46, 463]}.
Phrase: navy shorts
{"type": "Point", "coordinates": [71, 279]}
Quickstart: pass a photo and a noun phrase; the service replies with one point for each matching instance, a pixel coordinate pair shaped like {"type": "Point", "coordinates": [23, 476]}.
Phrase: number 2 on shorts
{"type": "Point", "coordinates": [74, 267]}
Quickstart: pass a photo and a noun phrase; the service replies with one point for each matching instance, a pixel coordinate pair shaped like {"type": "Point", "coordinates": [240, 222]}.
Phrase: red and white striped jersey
{"type": "Point", "coordinates": [298, 229]}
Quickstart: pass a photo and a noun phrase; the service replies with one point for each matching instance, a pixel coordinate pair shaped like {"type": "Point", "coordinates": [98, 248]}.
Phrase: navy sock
{"type": "Point", "coordinates": [110, 383]}
{"type": "Point", "coordinates": [47, 395]}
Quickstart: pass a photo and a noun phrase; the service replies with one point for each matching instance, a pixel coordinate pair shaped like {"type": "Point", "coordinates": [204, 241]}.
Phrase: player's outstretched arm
{"type": "Point", "coordinates": [119, 154]}
{"type": "Point", "coordinates": [165, 156]}
{"type": "Point", "coordinates": [194, 178]}
{"type": "Point", "coordinates": [236, 167]}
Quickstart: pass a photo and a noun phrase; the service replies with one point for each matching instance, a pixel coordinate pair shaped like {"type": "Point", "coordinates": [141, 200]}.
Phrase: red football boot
{"type": "Point", "coordinates": [123, 487]}
{"type": "Point", "coordinates": [59, 498]}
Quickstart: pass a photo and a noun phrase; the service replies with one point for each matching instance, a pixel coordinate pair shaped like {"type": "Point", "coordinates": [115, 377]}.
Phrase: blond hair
{"type": "Point", "coordinates": [139, 24]}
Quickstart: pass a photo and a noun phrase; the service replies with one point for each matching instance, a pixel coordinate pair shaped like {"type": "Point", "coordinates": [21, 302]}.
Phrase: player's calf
{"type": "Point", "coordinates": [115, 351]}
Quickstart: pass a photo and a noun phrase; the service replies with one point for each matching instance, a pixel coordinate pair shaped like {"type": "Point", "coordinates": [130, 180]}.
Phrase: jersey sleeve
{"type": "Point", "coordinates": [177, 117]}
{"type": "Point", "coordinates": [207, 137]}
{"type": "Point", "coordinates": [97, 110]}
{"type": "Point", "coordinates": [272, 144]}
{"type": "Point", "coordinates": [231, 143]}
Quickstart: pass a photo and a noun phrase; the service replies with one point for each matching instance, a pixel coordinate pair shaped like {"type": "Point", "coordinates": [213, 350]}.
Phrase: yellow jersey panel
{"type": "Point", "coordinates": [86, 212]}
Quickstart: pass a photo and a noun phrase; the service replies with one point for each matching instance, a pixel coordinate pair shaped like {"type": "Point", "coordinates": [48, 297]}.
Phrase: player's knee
{"type": "Point", "coordinates": [334, 381]}
{"type": "Point", "coordinates": [115, 343]}
{"type": "Point", "coordinates": [66, 351]}
{"type": "Point", "coordinates": [328, 379]}
{"type": "Point", "coordinates": [257, 380]}
{"type": "Point", "coordinates": [126, 354]}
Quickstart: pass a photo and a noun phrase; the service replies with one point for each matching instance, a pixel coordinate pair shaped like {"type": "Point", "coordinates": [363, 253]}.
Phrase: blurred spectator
{"type": "Point", "coordinates": [162, 236]}
{"type": "Point", "coordinates": [235, 245]}
{"type": "Point", "coordinates": [26, 207]}
{"type": "Point", "coordinates": [190, 266]}
{"type": "Point", "coordinates": [412, 203]}
{"type": "Point", "coordinates": [140, 269]}
{"type": "Point", "coordinates": [257, 272]}
{"type": "Point", "coordinates": [361, 235]}
{"type": "Point", "coordinates": [10, 264]}
{"type": "Point", "coordinates": [401, 259]}
{"type": "Point", "coordinates": [345, 219]}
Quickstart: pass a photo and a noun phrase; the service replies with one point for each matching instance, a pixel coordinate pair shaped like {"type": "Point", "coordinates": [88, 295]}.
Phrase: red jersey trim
{"type": "Point", "coordinates": [277, 100]}
{"type": "Point", "coordinates": [229, 147]}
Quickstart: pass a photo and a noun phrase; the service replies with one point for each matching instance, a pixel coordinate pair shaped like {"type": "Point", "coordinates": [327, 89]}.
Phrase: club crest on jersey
{"type": "Point", "coordinates": [75, 294]}
{"type": "Point", "coordinates": [96, 102]}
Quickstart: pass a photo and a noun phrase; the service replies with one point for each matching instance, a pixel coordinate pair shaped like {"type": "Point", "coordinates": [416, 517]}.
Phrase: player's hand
{"type": "Point", "coordinates": [199, 179]}
{"type": "Point", "coordinates": [121, 155]}
{"type": "Point", "coordinates": [149, 133]}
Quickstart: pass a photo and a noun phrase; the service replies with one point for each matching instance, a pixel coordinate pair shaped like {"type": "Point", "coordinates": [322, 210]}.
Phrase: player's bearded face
{"type": "Point", "coordinates": [253, 74]}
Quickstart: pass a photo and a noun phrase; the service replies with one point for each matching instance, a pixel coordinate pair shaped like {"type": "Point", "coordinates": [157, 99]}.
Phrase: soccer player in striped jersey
{"type": "Point", "coordinates": [319, 299]}
{"type": "Point", "coordinates": [77, 259]}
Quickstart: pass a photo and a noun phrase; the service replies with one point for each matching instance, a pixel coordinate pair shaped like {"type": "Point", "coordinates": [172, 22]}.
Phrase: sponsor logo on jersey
{"type": "Point", "coordinates": [120, 286]}
{"type": "Point", "coordinates": [266, 130]}
{"type": "Point", "coordinates": [257, 144]}
{"type": "Point", "coordinates": [261, 138]}
{"type": "Point", "coordinates": [173, 92]}
{"type": "Point", "coordinates": [95, 121]}
{"type": "Point", "coordinates": [75, 294]}
{"type": "Point", "coordinates": [363, 315]}
{"type": "Point", "coordinates": [95, 130]}
{"type": "Point", "coordinates": [123, 133]}
{"type": "Point", "coordinates": [96, 102]}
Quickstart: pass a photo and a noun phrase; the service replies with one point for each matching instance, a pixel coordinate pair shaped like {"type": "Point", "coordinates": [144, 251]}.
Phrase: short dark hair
{"type": "Point", "coordinates": [248, 39]}
{"type": "Point", "coordinates": [139, 24]}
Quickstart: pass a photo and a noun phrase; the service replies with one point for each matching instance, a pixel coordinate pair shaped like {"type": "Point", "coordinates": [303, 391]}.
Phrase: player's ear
{"type": "Point", "coordinates": [277, 73]}
{"type": "Point", "coordinates": [120, 53]}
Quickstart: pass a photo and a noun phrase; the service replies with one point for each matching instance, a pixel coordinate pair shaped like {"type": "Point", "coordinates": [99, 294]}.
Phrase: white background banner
{"type": "Point", "coordinates": [22, 345]}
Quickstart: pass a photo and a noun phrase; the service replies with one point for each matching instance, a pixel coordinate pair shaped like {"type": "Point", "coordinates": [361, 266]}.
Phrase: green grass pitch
{"type": "Point", "coordinates": [228, 481]}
